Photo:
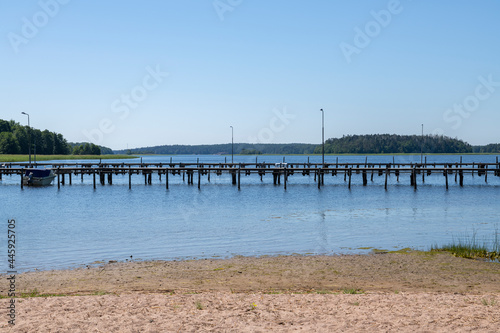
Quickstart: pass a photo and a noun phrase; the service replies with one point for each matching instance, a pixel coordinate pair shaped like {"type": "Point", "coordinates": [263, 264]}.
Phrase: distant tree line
{"type": "Point", "coordinates": [493, 148]}
{"type": "Point", "coordinates": [15, 139]}
{"type": "Point", "coordinates": [239, 148]}
{"type": "Point", "coordinates": [348, 144]}
{"type": "Point", "coordinates": [85, 148]}
{"type": "Point", "coordinates": [394, 144]}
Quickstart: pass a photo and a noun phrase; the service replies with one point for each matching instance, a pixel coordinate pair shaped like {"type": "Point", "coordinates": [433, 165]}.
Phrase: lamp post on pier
{"type": "Point", "coordinates": [29, 129]}
{"type": "Point", "coordinates": [232, 144]}
{"type": "Point", "coordinates": [323, 136]}
{"type": "Point", "coordinates": [422, 146]}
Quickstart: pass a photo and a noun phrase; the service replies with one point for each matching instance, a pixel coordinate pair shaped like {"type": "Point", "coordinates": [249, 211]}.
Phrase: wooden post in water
{"type": "Point", "coordinates": [486, 173]}
{"type": "Point", "coordinates": [129, 178]}
{"type": "Point", "coordinates": [350, 174]}
{"type": "Point", "coordinates": [446, 176]}
{"type": "Point", "coordinates": [285, 177]}
{"type": "Point", "coordinates": [239, 176]}
{"type": "Point", "coordinates": [319, 178]}
{"type": "Point", "coordinates": [414, 178]}
{"type": "Point", "coordinates": [365, 177]}
{"type": "Point", "coordinates": [461, 173]}
{"type": "Point", "coordinates": [62, 179]}
{"type": "Point", "coordinates": [386, 174]}
{"type": "Point", "coordinates": [58, 178]}
{"type": "Point", "coordinates": [110, 178]}
{"type": "Point", "coordinates": [22, 174]}
{"type": "Point", "coordinates": [93, 173]}
{"type": "Point", "coordinates": [166, 178]}
{"type": "Point", "coordinates": [371, 177]}
{"type": "Point", "coordinates": [199, 178]}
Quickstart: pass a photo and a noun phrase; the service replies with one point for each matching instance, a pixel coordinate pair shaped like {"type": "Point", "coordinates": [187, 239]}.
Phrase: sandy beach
{"type": "Point", "coordinates": [389, 292]}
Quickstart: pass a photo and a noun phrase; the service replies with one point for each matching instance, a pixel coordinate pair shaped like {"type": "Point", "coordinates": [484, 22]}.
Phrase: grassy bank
{"type": "Point", "coordinates": [40, 158]}
{"type": "Point", "coordinates": [469, 247]}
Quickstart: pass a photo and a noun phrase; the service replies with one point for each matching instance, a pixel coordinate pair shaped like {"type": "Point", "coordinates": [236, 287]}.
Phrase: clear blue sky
{"type": "Point", "coordinates": [83, 69]}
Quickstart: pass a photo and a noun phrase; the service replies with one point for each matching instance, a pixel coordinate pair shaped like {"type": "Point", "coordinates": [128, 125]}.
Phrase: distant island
{"type": "Point", "coordinates": [349, 144]}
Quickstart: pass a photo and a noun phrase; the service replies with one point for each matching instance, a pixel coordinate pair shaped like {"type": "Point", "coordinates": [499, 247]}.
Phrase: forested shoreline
{"type": "Point", "coordinates": [349, 144]}
{"type": "Point", "coordinates": [15, 138]}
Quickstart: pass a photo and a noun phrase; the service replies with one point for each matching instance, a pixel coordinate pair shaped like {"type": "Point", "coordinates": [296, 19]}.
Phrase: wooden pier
{"type": "Point", "coordinates": [412, 173]}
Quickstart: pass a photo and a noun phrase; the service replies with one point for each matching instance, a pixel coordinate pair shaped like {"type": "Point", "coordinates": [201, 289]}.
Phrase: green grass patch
{"type": "Point", "coordinates": [490, 302]}
{"type": "Point", "coordinates": [324, 292]}
{"type": "Point", "coordinates": [36, 293]}
{"type": "Point", "coordinates": [352, 291]}
{"type": "Point", "coordinates": [469, 247]}
{"type": "Point", "coordinates": [40, 158]}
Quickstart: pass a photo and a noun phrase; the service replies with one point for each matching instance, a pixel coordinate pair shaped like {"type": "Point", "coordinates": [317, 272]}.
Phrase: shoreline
{"type": "Point", "coordinates": [411, 271]}
{"type": "Point", "coordinates": [389, 292]}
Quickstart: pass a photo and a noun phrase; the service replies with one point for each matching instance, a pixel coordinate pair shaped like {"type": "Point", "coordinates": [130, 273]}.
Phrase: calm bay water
{"type": "Point", "coordinates": [77, 225]}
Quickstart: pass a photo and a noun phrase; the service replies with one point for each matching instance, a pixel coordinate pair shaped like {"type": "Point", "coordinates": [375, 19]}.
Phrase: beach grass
{"type": "Point", "coordinates": [468, 246]}
{"type": "Point", "coordinates": [25, 158]}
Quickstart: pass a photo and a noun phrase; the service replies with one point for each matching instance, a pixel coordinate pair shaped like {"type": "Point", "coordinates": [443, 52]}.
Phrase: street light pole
{"type": "Point", "coordinates": [232, 144]}
{"type": "Point", "coordinates": [29, 128]}
{"type": "Point", "coordinates": [323, 136]}
{"type": "Point", "coordinates": [422, 146]}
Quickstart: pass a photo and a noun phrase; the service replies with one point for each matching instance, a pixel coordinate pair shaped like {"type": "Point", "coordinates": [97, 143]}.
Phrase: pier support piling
{"type": "Point", "coordinates": [199, 179]}
{"type": "Point", "coordinates": [239, 177]}
{"type": "Point", "coordinates": [350, 175]}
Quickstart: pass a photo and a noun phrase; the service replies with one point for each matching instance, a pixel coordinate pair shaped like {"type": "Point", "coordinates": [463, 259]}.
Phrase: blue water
{"type": "Point", "coordinates": [77, 225]}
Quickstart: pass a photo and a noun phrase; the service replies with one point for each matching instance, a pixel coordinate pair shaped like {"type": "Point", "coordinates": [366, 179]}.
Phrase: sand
{"type": "Point", "coordinates": [392, 292]}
